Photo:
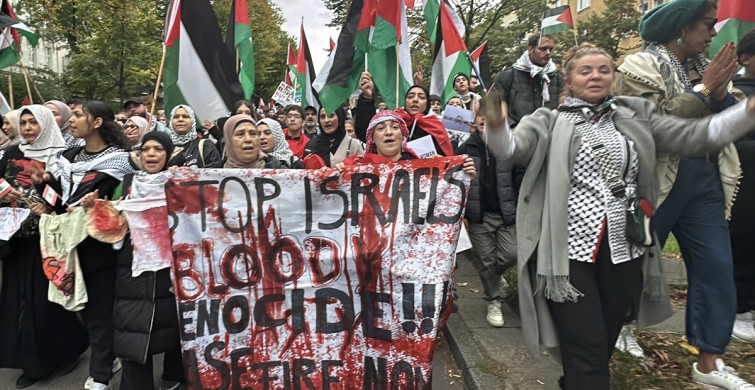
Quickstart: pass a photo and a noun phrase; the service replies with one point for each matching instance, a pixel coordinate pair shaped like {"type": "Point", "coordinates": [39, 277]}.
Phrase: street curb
{"type": "Point", "coordinates": [468, 357]}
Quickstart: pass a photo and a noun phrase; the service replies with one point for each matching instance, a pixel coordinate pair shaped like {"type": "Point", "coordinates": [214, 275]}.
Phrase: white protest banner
{"type": "Point", "coordinates": [423, 147]}
{"type": "Point", "coordinates": [10, 221]}
{"type": "Point", "coordinates": [284, 94]}
{"type": "Point", "coordinates": [455, 118]}
{"type": "Point", "coordinates": [333, 280]}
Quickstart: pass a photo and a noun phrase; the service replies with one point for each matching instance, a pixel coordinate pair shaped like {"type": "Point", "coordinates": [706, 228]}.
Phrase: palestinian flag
{"type": "Point", "coordinates": [431, 12]}
{"type": "Point", "coordinates": [305, 73]}
{"type": "Point", "coordinates": [339, 77]}
{"type": "Point", "coordinates": [450, 56]}
{"type": "Point", "coordinates": [239, 41]}
{"type": "Point", "coordinates": [261, 105]}
{"type": "Point", "coordinates": [556, 20]}
{"type": "Point", "coordinates": [481, 63]}
{"type": "Point", "coordinates": [290, 73]}
{"type": "Point", "coordinates": [199, 70]}
{"type": "Point", "coordinates": [735, 17]}
{"type": "Point", "coordinates": [379, 25]}
{"type": "Point", "coordinates": [391, 67]}
{"type": "Point", "coordinates": [11, 41]}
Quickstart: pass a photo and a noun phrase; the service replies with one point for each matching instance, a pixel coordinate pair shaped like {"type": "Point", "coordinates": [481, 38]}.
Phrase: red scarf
{"type": "Point", "coordinates": [431, 125]}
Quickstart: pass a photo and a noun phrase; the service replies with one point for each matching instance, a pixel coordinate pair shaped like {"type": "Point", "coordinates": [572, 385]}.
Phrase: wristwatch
{"type": "Point", "coordinates": [702, 90]}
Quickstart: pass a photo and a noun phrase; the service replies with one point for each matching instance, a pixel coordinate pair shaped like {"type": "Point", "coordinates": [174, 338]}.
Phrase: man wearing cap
{"type": "Point", "coordinates": [134, 106]}
{"type": "Point", "coordinates": [696, 194]}
{"type": "Point", "coordinates": [310, 121]}
{"type": "Point", "coordinates": [532, 82]}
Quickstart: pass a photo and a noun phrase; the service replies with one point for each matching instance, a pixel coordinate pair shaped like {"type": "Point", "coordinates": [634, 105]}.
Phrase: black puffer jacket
{"type": "Point", "coordinates": [502, 174]}
{"type": "Point", "coordinates": [523, 93]}
{"type": "Point", "coordinates": [145, 316]}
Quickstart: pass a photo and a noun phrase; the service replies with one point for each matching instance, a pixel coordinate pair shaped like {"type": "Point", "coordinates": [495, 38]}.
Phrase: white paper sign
{"type": "Point", "coordinates": [5, 187]}
{"type": "Point", "coordinates": [10, 221]}
{"type": "Point", "coordinates": [423, 147]}
{"type": "Point", "coordinates": [455, 118]}
{"type": "Point", "coordinates": [284, 94]}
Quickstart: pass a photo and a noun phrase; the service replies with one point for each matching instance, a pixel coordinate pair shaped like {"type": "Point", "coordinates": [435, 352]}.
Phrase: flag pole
{"type": "Point", "coordinates": [398, 71]}
{"type": "Point", "coordinates": [237, 61]}
{"type": "Point", "coordinates": [10, 91]}
{"type": "Point", "coordinates": [366, 69]}
{"type": "Point", "coordinates": [28, 90]}
{"type": "Point", "coordinates": [26, 72]}
{"type": "Point", "coordinates": [575, 37]}
{"type": "Point", "coordinates": [157, 86]}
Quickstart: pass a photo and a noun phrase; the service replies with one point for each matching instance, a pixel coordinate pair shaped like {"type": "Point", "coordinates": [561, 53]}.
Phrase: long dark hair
{"type": "Point", "coordinates": [244, 102]}
{"type": "Point", "coordinates": [111, 132]}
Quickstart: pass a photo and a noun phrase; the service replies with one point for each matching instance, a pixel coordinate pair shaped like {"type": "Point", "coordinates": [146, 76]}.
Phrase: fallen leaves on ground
{"type": "Point", "coordinates": [667, 364]}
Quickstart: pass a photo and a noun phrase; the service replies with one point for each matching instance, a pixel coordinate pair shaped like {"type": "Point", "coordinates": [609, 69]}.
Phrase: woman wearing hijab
{"type": "Point", "coordinates": [10, 123]}
{"type": "Point", "coordinates": [155, 330]}
{"type": "Point", "coordinates": [696, 193]}
{"type": "Point", "coordinates": [36, 335]}
{"type": "Point", "coordinates": [134, 130]}
{"type": "Point", "coordinates": [415, 113]}
{"type": "Point", "coordinates": [242, 146]}
{"type": "Point", "coordinates": [99, 166]}
{"type": "Point", "coordinates": [189, 150]}
{"type": "Point", "coordinates": [332, 145]}
{"type": "Point", "coordinates": [62, 114]}
{"type": "Point", "coordinates": [273, 142]}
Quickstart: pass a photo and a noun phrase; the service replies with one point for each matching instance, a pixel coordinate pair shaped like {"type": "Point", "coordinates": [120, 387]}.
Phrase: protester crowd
{"type": "Point", "coordinates": [568, 165]}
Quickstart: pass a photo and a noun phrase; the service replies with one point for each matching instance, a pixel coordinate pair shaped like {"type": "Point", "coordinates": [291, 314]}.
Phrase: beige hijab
{"type": "Point", "coordinates": [233, 160]}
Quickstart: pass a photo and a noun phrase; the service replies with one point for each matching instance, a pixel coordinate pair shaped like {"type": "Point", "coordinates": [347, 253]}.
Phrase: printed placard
{"type": "Point", "coordinates": [455, 118]}
{"type": "Point", "coordinates": [423, 147]}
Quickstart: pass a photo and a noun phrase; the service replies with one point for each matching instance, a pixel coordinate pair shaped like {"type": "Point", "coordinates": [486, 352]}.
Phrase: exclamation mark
{"type": "Point", "coordinates": [408, 305]}
{"type": "Point", "coordinates": [428, 307]}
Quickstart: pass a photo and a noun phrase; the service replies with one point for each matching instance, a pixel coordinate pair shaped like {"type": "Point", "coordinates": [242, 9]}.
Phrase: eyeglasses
{"type": "Point", "coordinates": [293, 116]}
{"type": "Point", "coordinates": [121, 120]}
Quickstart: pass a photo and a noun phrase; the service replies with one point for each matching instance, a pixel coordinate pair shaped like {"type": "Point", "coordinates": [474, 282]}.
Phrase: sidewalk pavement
{"type": "Point", "coordinates": [495, 358]}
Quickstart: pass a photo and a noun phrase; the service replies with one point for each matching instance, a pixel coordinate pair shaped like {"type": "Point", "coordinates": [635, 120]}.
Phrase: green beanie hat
{"type": "Point", "coordinates": [663, 22]}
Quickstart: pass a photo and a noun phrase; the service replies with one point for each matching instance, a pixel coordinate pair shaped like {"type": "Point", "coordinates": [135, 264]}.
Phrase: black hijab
{"type": "Point", "coordinates": [164, 139]}
{"type": "Point", "coordinates": [427, 94]}
{"type": "Point", "coordinates": [325, 144]}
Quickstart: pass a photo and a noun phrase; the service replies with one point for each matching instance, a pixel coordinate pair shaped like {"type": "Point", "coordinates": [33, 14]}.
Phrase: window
{"type": "Point", "coordinates": [643, 8]}
{"type": "Point", "coordinates": [582, 4]}
{"type": "Point", "coordinates": [657, 3]}
{"type": "Point", "coordinates": [48, 54]}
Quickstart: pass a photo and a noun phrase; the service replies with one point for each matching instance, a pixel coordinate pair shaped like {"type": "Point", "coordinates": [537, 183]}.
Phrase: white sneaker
{"type": "Point", "coordinates": [495, 317]}
{"type": "Point", "coordinates": [628, 343]}
{"type": "Point", "coordinates": [100, 386]}
{"type": "Point", "coordinates": [744, 328]}
{"type": "Point", "coordinates": [723, 378]}
{"type": "Point", "coordinates": [90, 381]}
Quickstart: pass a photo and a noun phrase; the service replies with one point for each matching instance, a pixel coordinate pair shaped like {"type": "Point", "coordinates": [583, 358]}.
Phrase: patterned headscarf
{"type": "Point", "coordinates": [49, 142]}
{"type": "Point", "coordinates": [281, 151]}
{"type": "Point", "coordinates": [386, 116]}
{"type": "Point", "coordinates": [181, 139]}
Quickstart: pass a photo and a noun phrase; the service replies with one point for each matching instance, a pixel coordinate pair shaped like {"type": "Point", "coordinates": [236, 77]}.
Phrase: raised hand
{"type": "Point", "coordinates": [366, 84]}
{"type": "Point", "coordinates": [721, 71]}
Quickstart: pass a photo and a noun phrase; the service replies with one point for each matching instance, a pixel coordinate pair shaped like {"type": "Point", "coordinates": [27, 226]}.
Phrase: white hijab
{"type": "Point", "coordinates": [49, 142]}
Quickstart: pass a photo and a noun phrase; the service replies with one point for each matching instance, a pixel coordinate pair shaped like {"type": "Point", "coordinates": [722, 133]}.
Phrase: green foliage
{"type": "Point", "coordinates": [49, 84]}
{"type": "Point", "coordinates": [116, 45]}
{"type": "Point", "coordinates": [614, 29]}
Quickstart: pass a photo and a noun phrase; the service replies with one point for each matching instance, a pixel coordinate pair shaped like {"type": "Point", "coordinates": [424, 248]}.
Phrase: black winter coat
{"type": "Point", "coordinates": [507, 178]}
{"type": "Point", "coordinates": [145, 316]}
{"type": "Point", "coordinates": [523, 93]}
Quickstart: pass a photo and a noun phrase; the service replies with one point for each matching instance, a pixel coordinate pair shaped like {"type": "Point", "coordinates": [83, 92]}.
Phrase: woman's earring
{"type": "Point", "coordinates": [679, 41]}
